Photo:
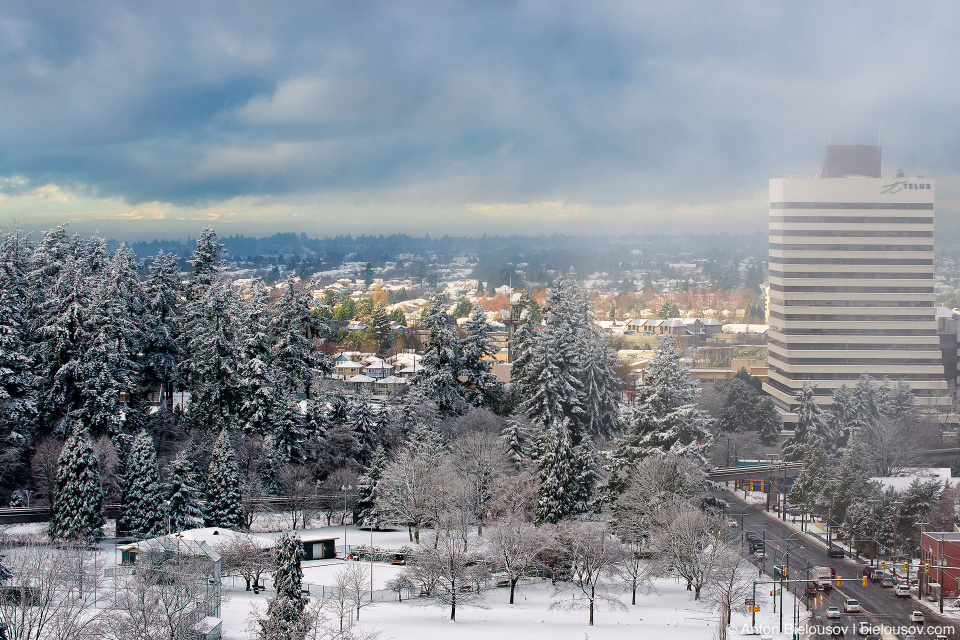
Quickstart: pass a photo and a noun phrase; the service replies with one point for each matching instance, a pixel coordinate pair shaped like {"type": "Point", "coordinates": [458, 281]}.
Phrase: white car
{"type": "Point", "coordinates": [864, 628]}
{"type": "Point", "coordinates": [833, 612]}
{"type": "Point", "coordinates": [916, 616]}
{"type": "Point", "coordinates": [851, 606]}
{"type": "Point", "coordinates": [733, 524]}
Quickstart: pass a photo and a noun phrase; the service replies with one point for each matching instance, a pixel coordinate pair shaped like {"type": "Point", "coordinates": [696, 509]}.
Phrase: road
{"type": "Point", "coordinates": [880, 605]}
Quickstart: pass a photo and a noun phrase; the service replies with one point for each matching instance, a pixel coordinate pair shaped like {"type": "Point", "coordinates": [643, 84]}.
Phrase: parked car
{"type": "Point", "coordinates": [833, 612]}
{"type": "Point", "coordinates": [851, 605]}
{"type": "Point", "coordinates": [835, 552]}
{"type": "Point", "coordinates": [916, 616]}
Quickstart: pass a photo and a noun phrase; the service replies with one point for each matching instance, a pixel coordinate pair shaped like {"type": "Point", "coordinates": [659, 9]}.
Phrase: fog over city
{"type": "Point", "coordinates": [153, 119]}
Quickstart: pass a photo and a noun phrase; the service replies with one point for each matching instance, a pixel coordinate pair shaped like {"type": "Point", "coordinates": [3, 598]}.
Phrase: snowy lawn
{"type": "Point", "coordinates": [671, 610]}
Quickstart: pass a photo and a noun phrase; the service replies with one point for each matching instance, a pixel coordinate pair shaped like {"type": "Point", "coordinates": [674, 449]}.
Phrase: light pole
{"type": "Point", "coordinates": [166, 513]}
{"type": "Point", "coordinates": [873, 519]}
{"type": "Point", "coordinates": [896, 521]}
{"type": "Point", "coordinates": [345, 488]}
{"type": "Point", "coordinates": [371, 562]}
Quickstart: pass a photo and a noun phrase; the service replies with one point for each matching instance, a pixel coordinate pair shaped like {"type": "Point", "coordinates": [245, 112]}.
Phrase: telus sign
{"type": "Point", "coordinates": [900, 185]}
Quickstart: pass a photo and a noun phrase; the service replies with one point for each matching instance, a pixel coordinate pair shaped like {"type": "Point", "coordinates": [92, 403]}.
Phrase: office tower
{"type": "Point", "coordinates": [851, 280]}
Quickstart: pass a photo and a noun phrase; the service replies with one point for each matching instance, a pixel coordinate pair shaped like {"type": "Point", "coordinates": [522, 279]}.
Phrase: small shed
{"type": "Point", "coordinates": [319, 547]}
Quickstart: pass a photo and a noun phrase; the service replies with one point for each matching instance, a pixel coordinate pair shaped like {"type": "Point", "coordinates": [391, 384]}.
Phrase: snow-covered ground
{"type": "Point", "coordinates": [669, 612]}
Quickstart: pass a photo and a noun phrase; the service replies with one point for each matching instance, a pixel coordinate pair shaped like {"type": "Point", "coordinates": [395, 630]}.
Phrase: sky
{"type": "Point", "coordinates": [146, 119]}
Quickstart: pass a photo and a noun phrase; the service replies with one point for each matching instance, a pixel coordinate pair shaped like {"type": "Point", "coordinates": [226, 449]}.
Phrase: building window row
{"type": "Point", "coordinates": [879, 360]}
{"type": "Point", "coordinates": [850, 317]}
{"type": "Point", "coordinates": [849, 233]}
{"type": "Point", "coordinates": [802, 288]}
{"type": "Point", "coordinates": [854, 332]}
{"type": "Point", "coordinates": [852, 275]}
{"type": "Point", "coordinates": [858, 261]}
{"type": "Point", "coordinates": [850, 346]}
{"type": "Point", "coordinates": [865, 304]}
{"type": "Point", "coordinates": [854, 219]}
{"type": "Point", "coordinates": [889, 206]}
{"type": "Point", "coordinates": [851, 247]}
{"type": "Point", "coordinates": [916, 377]}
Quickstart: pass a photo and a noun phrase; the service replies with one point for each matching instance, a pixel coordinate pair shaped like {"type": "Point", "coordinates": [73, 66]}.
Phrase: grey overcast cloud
{"type": "Point", "coordinates": [140, 119]}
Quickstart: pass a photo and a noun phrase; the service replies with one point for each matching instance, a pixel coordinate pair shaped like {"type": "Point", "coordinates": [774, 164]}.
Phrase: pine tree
{"type": "Point", "coordinates": [851, 481]}
{"type": "Point", "coordinates": [483, 389]}
{"type": "Point", "coordinates": [285, 611]}
{"type": "Point", "coordinates": [256, 380]}
{"type": "Point", "coordinates": [362, 422]}
{"type": "Point", "coordinates": [163, 339]}
{"type": "Point", "coordinates": [183, 494]}
{"type": "Point", "coordinates": [515, 439]}
{"type": "Point", "coordinates": [224, 506]}
{"type": "Point", "coordinates": [380, 327]}
{"type": "Point", "coordinates": [768, 421]}
{"type": "Point", "coordinates": [143, 510]}
{"type": "Point", "coordinates": [601, 392]}
{"type": "Point", "coordinates": [555, 495]}
{"type": "Point", "coordinates": [78, 498]}
{"type": "Point", "coordinates": [810, 421]}
{"type": "Point", "coordinates": [901, 402]}
{"type": "Point", "coordinates": [368, 515]}
{"type": "Point", "coordinates": [294, 328]}
{"type": "Point", "coordinates": [289, 429]}
{"type": "Point", "coordinates": [808, 488]}
{"type": "Point", "coordinates": [208, 265]}
{"type": "Point", "coordinates": [441, 361]}
{"type": "Point", "coordinates": [665, 418]}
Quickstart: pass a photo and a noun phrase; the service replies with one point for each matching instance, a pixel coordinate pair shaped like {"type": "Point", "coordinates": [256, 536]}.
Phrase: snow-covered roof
{"type": "Point", "coordinates": [410, 369]}
{"type": "Point", "coordinates": [379, 365]}
{"type": "Point", "coordinates": [360, 379]}
{"type": "Point", "coordinates": [349, 364]}
{"type": "Point", "coordinates": [394, 380]}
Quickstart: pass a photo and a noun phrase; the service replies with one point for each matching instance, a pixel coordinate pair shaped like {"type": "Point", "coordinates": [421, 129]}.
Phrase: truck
{"type": "Point", "coordinates": [823, 576]}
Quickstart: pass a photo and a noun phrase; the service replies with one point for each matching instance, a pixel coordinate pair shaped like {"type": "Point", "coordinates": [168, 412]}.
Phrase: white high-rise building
{"type": "Point", "coordinates": [851, 280]}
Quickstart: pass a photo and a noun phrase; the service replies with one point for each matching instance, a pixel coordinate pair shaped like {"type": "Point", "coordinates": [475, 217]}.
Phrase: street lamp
{"type": "Point", "coordinates": [345, 488]}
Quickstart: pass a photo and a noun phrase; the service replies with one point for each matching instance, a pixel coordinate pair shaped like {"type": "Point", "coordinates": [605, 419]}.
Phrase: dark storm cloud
{"type": "Point", "coordinates": [607, 104]}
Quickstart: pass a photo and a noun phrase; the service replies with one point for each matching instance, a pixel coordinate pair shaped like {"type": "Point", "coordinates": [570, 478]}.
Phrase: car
{"type": "Point", "coordinates": [836, 630]}
{"type": "Point", "coordinates": [902, 590]}
{"type": "Point", "coordinates": [873, 636]}
{"type": "Point", "coordinates": [835, 552]}
{"type": "Point", "coordinates": [877, 575]}
{"type": "Point", "coordinates": [887, 582]}
{"type": "Point", "coordinates": [733, 524]}
{"type": "Point", "coordinates": [916, 616]}
{"type": "Point", "coordinates": [909, 636]}
{"type": "Point", "coordinates": [751, 535]}
{"type": "Point", "coordinates": [761, 554]}
{"type": "Point", "coordinates": [812, 588]}
{"type": "Point", "coordinates": [940, 637]}
{"type": "Point", "coordinates": [864, 628]}
{"type": "Point", "coordinates": [833, 612]}
{"type": "Point", "coordinates": [826, 587]}
{"type": "Point", "coordinates": [851, 605]}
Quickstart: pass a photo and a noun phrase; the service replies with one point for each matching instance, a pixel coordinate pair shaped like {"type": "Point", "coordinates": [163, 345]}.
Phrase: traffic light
{"type": "Point", "coordinates": [864, 580]}
{"type": "Point", "coordinates": [839, 581]}
{"type": "Point", "coordinates": [926, 568]}
{"type": "Point", "coordinates": [883, 565]}
{"type": "Point", "coordinates": [906, 567]}
{"type": "Point", "coordinates": [786, 570]}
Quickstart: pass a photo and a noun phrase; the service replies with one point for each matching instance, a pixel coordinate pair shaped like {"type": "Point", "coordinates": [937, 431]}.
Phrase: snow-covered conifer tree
{"type": "Point", "coordinates": [285, 618]}
{"type": "Point", "coordinates": [555, 495]}
{"type": "Point", "coordinates": [183, 493]}
{"type": "Point", "coordinates": [207, 262]}
{"type": "Point", "coordinates": [163, 345]}
{"type": "Point", "coordinates": [288, 429]}
{"type": "Point", "coordinates": [441, 361]}
{"type": "Point", "coordinates": [224, 506]}
{"type": "Point", "coordinates": [256, 382]}
{"type": "Point", "coordinates": [143, 510]}
{"type": "Point", "coordinates": [368, 516]}
{"type": "Point", "coordinates": [483, 389]}
{"type": "Point", "coordinates": [811, 421]}
{"type": "Point", "coordinates": [380, 327]}
{"type": "Point", "coordinates": [78, 498]}
{"type": "Point", "coordinates": [515, 437]}
{"type": "Point", "coordinates": [294, 327]}
{"type": "Point", "coordinates": [362, 422]}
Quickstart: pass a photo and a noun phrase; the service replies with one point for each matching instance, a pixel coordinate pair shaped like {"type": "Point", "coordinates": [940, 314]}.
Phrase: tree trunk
{"type": "Point", "coordinates": [416, 533]}
{"type": "Point", "coordinates": [453, 606]}
{"type": "Point", "coordinates": [689, 584]}
{"type": "Point", "coordinates": [633, 599]}
{"type": "Point", "coordinates": [591, 605]}
{"type": "Point", "coordinates": [696, 592]}
{"type": "Point", "coordinates": [513, 586]}
{"type": "Point", "coordinates": [410, 532]}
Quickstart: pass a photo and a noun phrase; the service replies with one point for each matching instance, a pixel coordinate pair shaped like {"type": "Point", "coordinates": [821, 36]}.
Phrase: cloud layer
{"type": "Point", "coordinates": [458, 117]}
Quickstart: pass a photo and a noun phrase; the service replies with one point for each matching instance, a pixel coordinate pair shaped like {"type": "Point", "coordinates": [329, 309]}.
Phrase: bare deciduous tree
{"type": "Point", "coordinates": [52, 592]}
{"type": "Point", "coordinates": [515, 547]}
{"type": "Point", "coordinates": [413, 490]}
{"type": "Point", "coordinates": [479, 457]}
{"type": "Point", "coordinates": [688, 546]}
{"type": "Point", "coordinates": [591, 554]}
{"type": "Point", "coordinates": [448, 572]}
{"type": "Point", "coordinates": [299, 492]}
{"type": "Point", "coordinates": [246, 556]}
{"type": "Point", "coordinates": [731, 581]}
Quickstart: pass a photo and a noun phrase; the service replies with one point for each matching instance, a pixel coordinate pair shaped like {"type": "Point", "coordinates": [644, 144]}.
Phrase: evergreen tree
{"type": "Point", "coordinates": [515, 439]}
{"type": "Point", "coordinates": [224, 506]}
{"type": "Point", "coordinates": [483, 389]}
{"type": "Point", "coordinates": [600, 388]}
{"type": "Point", "coordinates": [441, 361]}
{"type": "Point", "coordinates": [850, 483]}
{"type": "Point", "coordinates": [285, 611]}
{"type": "Point", "coordinates": [288, 431]}
{"type": "Point", "coordinates": [556, 493]}
{"type": "Point", "coordinates": [767, 420]}
{"type": "Point", "coordinates": [367, 514]}
{"type": "Point", "coordinates": [810, 421]}
{"type": "Point", "coordinates": [380, 327]}
{"type": "Point", "coordinates": [809, 487]}
{"type": "Point", "coordinates": [212, 336]}
{"type": "Point", "coordinates": [183, 494]}
{"type": "Point", "coordinates": [256, 382]}
{"type": "Point", "coordinates": [901, 402]}
{"type": "Point", "coordinates": [362, 421]}
{"type": "Point", "coordinates": [208, 265]}
{"type": "Point", "coordinates": [77, 511]}
{"type": "Point", "coordinates": [163, 340]}
{"type": "Point", "coordinates": [584, 469]}
{"type": "Point", "coordinates": [143, 510]}
{"type": "Point", "coordinates": [294, 328]}
{"type": "Point", "coordinates": [665, 418]}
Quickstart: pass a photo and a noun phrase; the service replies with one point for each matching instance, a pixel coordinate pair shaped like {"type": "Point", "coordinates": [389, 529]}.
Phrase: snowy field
{"type": "Point", "coordinates": [669, 612]}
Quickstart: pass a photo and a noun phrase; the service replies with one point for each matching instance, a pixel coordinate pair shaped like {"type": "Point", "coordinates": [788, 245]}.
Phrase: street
{"type": "Point", "coordinates": [880, 605]}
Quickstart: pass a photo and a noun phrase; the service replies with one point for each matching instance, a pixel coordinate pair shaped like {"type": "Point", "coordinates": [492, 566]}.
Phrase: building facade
{"type": "Point", "coordinates": [851, 280]}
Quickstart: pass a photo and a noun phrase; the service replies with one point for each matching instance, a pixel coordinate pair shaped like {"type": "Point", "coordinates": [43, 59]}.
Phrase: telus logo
{"type": "Point", "coordinates": [898, 186]}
